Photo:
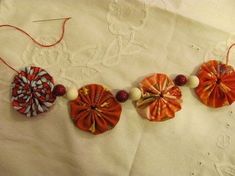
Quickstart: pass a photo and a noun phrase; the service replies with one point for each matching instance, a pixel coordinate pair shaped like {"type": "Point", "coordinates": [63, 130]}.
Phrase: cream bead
{"type": "Point", "coordinates": [72, 93]}
{"type": "Point", "coordinates": [135, 94]}
{"type": "Point", "coordinates": [193, 81]}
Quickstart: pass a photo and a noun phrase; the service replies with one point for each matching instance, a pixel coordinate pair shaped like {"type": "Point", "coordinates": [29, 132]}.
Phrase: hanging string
{"type": "Point", "coordinates": [228, 52]}
{"type": "Point", "coordinates": [35, 41]}
{"type": "Point", "coordinates": [4, 62]}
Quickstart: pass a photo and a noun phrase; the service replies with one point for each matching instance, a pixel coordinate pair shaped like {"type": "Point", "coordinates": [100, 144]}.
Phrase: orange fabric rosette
{"type": "Point", "coordinates": [95, 110]}
{"type": "Point", "coordinates": [217, 84]}
{"type": "Point", "coordinates": [161, 98]}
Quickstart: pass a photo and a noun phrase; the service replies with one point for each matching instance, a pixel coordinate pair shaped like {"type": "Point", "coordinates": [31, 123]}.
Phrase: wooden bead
{"type": "Point", "coordinates": [72, 93]}
{"type": "Point", "coordinates": [193, 81]}
{"type": "Point", "coordinates": [180, 80]}
{"type": "Point", "coordinates": [135, 94]}
{"type": "Point", "coordinates": [59, 90]}
{"type": "Point", "coordinates": [122, 96]}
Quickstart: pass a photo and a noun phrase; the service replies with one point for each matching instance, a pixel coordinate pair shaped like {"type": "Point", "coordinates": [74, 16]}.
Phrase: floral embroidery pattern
{"type": "Point", "coordinates": [223, 141]}
{"type": "Point", "coordinates": [124, 19]}
{"type": "Point", "coordinates": [221, 163]}
{"type": "Point", "coordinates": [171, 5]}
{"type": "Point", "coordinates": [47, 57]}
{"type": "Point", "coordinates": [219, 50]}
{"type": "Point", "coordinates": [225, 169]}
{"type": "Point", "coordinates": [126, 16]}
{"type": "Point", "coordinates": [63, 65]}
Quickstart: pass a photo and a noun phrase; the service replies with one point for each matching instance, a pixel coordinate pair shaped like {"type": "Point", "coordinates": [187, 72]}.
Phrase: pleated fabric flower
{"type": "Point", "coordinates": [95, 110]}
{"type": "Point", "coordinates": [217, 84]}
{"type": "Point", "coordinates": [161, 98]}
{"type": "Point", "coordinates": [32, 91]}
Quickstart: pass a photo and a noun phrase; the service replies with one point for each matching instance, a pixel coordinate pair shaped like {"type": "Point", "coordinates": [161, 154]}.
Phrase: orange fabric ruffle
{"type": "Point", "coordinates": [160, 98]}
{"type": "Point", "coordinates": [217, 84]}
{"type": "Point", "coordinates": [95, 110]}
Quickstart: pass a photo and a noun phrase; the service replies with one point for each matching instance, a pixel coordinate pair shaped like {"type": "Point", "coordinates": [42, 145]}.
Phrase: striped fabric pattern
{"type": "Point", "coordinates": [32, 91]}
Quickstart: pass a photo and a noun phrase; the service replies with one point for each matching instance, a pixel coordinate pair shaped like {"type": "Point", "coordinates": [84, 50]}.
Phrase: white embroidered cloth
{"type": "Point", "coordinates": [117, 43]}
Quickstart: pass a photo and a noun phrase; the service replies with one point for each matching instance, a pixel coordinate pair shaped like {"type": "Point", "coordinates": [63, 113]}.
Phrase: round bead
{"type": "Point", "coordinates": [135, 94]}
{"type": "Point", "coordinates": [122, 96]}
{"type": "Point", "coordinates": [180, 80]}
{"type": "Point", "coordinates": [193, 81]}
{"type": "Point", "coordinates": [72, 93]}
{"type": "Point", "coordinates": [59, 90]}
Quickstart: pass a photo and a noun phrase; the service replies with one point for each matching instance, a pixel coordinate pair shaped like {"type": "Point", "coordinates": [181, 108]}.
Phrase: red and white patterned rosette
{"type": "Point", "coordinates": [32, 91]}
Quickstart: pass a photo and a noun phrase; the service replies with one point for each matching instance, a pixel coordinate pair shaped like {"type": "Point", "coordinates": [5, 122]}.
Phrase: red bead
{"type": "Point", "coordinates": [180, 80]}
{"type": "Point", "coordinates": [59, 90]}
{"type": "Point", "coordinates": [122, 96]}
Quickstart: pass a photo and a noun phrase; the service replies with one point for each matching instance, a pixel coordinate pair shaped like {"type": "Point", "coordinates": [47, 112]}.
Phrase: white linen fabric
{"type": "Point", "coordinates": [117, 43]}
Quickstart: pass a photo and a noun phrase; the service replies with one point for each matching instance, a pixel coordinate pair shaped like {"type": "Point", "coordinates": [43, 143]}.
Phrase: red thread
{"type": "Point", "coordinates": [227, 55]}
{"type": "Point", "coordinates": [36, 42]}
{"type": "Point", "coordinates": [1, 59]}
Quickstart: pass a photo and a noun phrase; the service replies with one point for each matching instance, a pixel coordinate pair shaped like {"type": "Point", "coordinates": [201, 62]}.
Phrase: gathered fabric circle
{"type": "Point", "coordinates": [95, 110]}
{"type": "Point", "coordinates": [32, 91]}
{"type": "Point", "coordinates": [161, 98]}
{"type": "Point", "coordinates": [217, 84]}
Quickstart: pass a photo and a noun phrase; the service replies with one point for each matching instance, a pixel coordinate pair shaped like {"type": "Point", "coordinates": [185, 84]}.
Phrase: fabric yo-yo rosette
{"type": "Point", "coordinates": [95, 110]}
{"type": "Point", "coordinates": [217, 84]}
{"type": "Point", "coordinates": [32, 91]}
{"type": "Point", "coordinates": [160, 99]}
